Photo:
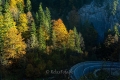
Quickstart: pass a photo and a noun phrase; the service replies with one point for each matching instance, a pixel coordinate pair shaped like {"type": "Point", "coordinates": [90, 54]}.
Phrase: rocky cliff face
{"type": "Point", "coordinates": [100, 16]}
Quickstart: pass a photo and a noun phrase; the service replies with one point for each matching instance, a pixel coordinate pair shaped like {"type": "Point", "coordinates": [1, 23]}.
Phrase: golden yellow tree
{"type": "Point", "coordinates": [22, 25]}
{"type": "Point", "coordinates": [13, 9]}
{"type": "Point", "coordinates": [61, 32]}
{"type": "Point", "coordinates": [14, 47]}
{"type": "Point", "coordinates": [13, 3]}
{"type": "Point", "coordinates": [20, 1]}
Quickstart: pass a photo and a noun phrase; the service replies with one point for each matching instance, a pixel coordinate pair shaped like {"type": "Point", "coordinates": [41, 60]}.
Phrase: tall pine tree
{"type": "Point", "coordinates": [77, 41]}
{"type": "Point", "coordinates": [33, 37]}
{"type": "Point", "coordinates": [48, 20]}
{"type": "Point", "coordinates": [28, 6]}
{"type": "Point", "coordinates": [42, 40]}
{"type": "Point", "coordinates": [71, 40]}
{"type": "Point", "coordinates": [41, 15]}
{"type": "Point", "coordinates": [54, 39]}
{"type": "Point", "coordinates": [22, 25]}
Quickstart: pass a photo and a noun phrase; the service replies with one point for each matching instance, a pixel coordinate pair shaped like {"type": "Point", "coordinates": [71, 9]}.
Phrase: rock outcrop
{"type": "Point", "coordinates": [100, 16]}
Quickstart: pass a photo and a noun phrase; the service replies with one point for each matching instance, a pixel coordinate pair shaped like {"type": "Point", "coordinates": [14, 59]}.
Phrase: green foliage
{"type": "Point", "coordinates": [28, 6]}
{"type": "Point", "coordinates": [54, 39]}
{"type": "Point", "coordinates": [1, 7]}
{"type": "Point", "coordinates": [41, 15]}
{"type": "Point", "coordinates": [33, 38]}
{"type": "Point", "coordinates": [22, 25]}
{"type": "Point", "coordinates": [6, 7]}
{"type": "Point", "coordinates": [71, 40]}
{"type": "Point", "coordinates": [1, 25]}
{"type": "Point", "coordinates": [41, 39]}
{"type": "Point", "coordinates": [75, 31]}
{"type": "Point", "coordinates": [112, 36]}
{"type": "Point", "coordinates": [77, 40]}
{"type": "Point", "coordinates": [8, 20]}
{"type": "Point", "coordinates": [48, 20]}
{"type": "Point", "coordinates": [20, 7]}
{"type": "Point", "coordinates": [116, 29]}
{"type": "Point", "coordinates": [114, 5]}
{"type": "Point", "coordinates": [37, 19]}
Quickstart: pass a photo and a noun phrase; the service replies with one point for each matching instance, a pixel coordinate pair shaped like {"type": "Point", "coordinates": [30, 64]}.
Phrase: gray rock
{"type": "Point", "coordinates": [100, 17]}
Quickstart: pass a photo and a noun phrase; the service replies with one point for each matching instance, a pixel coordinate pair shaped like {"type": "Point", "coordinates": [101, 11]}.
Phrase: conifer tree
{"type": "Point", "coordinates": [37, 19]}
{"type": "Point", "coordinates": [8, 19]}
{"type": "Point", "coordinates": [42, 40]}
{"type": "Point", "coordinates": [1, 8]}
{"type": "Point", "coordinates": [75, 31]}
{"type": "Point", "coordinates": [20, 6]}
{"type": "Point", "coordinates": [6, 22]}
{"type": "Point", "coordinates": [54, 39]}
{"type": "Point", "coordinates": [114, 5]}
{"type": "Point", "coordinates": [77, 40]}
{"type": "Point", "coordinates": [116, 31]}
{"type": "Point", "coordinates": [2, 34]}
{"type": "Point", "coordinates": [22, 25]}
{"type": "Point", "coordinates": [6, 7]}
{"type": "Point", "coordinates": [41, 16]}
{"type": "Point", "coordinates": [28, 6]}
{"type": "Point", "coordinates": [71, 40]}
{"type": "Point", "coordinates": [13, 9]}
{"type": "Point", "coordinates": [29, 18]}
{"type": "Point", "coordinates": [48, 20]}
{"type": "Point", "coordinates": [33, 37]}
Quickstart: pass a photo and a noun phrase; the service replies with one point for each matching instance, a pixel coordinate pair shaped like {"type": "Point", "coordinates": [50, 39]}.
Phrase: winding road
{"type": "Point", "coordinates": [83, 68]}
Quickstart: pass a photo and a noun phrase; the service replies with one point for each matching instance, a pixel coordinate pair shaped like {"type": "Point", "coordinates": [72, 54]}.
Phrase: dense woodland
{"type": "Point", "coordinates": [35, 36]}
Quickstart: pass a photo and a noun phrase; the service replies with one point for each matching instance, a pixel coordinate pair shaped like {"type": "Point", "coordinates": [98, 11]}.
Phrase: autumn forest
{"type": "Point", "coordinates": [35, 36]}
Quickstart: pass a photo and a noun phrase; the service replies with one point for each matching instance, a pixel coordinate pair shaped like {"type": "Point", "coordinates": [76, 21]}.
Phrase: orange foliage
{"type": "Point", "coordinates": [60, 31]}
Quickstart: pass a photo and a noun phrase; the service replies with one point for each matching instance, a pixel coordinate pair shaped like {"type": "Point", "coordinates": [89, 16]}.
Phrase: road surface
{"type": "Point", "coordinates": [83, 68]}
